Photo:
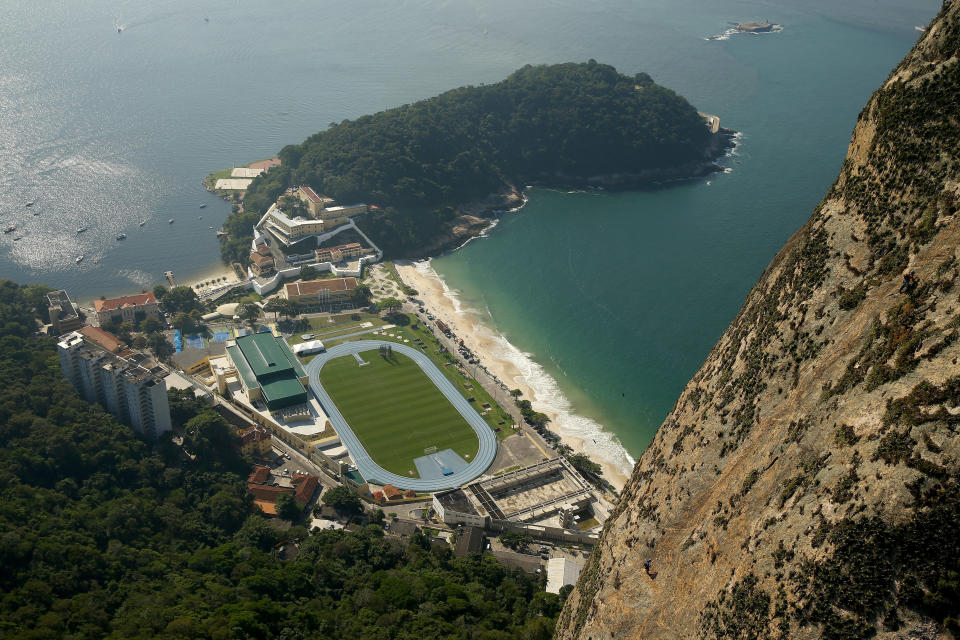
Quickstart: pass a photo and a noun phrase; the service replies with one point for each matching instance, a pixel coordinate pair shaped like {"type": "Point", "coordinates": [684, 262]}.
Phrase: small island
{"type": "Point", "coordinates": [755, 27]}
{"type": "Point", "coordinates": [428, 168]}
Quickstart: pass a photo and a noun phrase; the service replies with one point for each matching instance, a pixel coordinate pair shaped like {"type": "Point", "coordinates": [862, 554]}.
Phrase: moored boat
{"type": "Point", "coordinates": [10, 228]}
{"type": "Point", "coordinates": [79, 259]}
{"type": "Point", "coordinates": [122, 236]}
{"type": "Point", "coordinates": [81, 229]}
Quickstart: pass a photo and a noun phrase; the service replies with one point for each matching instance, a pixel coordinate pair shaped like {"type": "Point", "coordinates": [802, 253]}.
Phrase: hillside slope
{"type": "Point", "coordinates": [805, 483]}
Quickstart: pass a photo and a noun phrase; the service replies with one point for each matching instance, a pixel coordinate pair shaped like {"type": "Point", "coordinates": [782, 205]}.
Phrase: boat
{"type": "Point", "coordinates": [221, 233]}
{"type": "Point", "coordinates": [143, 222]}
{"type": "Point", "coordinates": [31, 203]}
{"type": "Point", "coordinates": [10, 228]}
{"type": "Point", "coordinates": [203, 204]}
{"type": "Point", "coordinates": [18, 239]}
{"type": "Point", "coordinates": [122, 236]}
{"type": "Point", "coordinates": [170, 221]}
{"type": "Point", "coordinates": [209, 227]}
{"type": "Point", "coordinates": [80, 259]}
{"type": "Point", "coordinates": [36, 213]}
{"type": "Point", "coordinates": [81, 229]}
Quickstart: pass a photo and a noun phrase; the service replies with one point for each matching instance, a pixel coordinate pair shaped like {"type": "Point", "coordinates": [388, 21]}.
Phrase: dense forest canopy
{"type": "Point", "coordinates": [543, 124]}
{"type": "Point", "coordinates": [102, 536]}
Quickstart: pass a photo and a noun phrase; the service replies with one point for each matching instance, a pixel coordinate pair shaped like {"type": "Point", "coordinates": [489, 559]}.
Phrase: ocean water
{"type": "Point", "coordinates": [621, 295]}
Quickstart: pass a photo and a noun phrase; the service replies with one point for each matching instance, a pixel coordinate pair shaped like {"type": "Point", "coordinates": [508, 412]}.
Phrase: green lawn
{"type": "Point", "coordinates": [395, 410]}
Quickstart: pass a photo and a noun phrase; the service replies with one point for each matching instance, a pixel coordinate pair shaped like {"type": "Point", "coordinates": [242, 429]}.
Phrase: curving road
{"type": "Point", "coordinates": [365, 464]}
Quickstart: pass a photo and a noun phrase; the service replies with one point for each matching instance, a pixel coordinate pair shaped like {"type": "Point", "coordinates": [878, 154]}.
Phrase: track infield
{"type": "Point", "coordinates": [395, 410]}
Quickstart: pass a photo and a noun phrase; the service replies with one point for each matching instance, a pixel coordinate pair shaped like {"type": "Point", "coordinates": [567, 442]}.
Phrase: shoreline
{"type": "Point", "coordinates": [519, 371]}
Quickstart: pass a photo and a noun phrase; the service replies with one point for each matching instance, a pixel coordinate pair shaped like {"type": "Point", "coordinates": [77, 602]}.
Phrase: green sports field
{"type": "Point", "coordinates": [395, 410]}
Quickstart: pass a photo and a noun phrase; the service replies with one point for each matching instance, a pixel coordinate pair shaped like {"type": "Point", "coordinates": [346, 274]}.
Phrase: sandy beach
{"type": "Point", "coordinates": [518, 371]}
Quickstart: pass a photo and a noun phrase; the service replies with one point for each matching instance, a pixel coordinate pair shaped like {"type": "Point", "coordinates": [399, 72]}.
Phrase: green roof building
{"type": "Point", "coordinates": [268, 370]}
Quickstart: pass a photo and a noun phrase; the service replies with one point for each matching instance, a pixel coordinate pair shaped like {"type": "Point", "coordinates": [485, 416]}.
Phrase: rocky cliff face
{"type": "Point", "coordinates": [805, 485]}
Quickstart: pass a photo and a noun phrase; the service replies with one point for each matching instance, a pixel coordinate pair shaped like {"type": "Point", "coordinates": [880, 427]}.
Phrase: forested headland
{"type": "Point", "coordinates": [103, 536]}
{"type": "Point", "coordinates": [564, 124]}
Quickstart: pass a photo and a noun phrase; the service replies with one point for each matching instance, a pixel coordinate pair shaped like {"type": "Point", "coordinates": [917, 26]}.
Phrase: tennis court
{"type": "Point", "coordinates": [195, 341]}
{"type": "Point", "coordinates": [221, 336]}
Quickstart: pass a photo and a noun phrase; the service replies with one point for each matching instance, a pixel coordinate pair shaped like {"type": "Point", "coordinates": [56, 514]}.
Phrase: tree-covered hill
{"type": "Point", "coordinates": [102, 536]}
{"type": "Point", "coordinates": [552, 124]}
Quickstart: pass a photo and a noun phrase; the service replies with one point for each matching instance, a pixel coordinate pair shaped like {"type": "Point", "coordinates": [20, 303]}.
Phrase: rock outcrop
{"type": "Point", "coordinates": [805, 484]}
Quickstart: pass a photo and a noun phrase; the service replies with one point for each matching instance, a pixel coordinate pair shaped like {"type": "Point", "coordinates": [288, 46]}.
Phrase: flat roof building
{"type": "Point", "coordinates": [268, 370]}
{"type": "Point", "coordinates": [129, 385]}
{"type": "Point", "coordinates": [561, 572]}
{"type": "Point", "coordinates": [63, 315]}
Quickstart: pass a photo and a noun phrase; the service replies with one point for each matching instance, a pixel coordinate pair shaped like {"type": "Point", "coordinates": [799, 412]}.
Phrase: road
{"type": "Point", "coordinates": [369, 469]}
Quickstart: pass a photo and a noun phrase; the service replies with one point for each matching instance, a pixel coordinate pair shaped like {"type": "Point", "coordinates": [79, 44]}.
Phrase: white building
{"type": "Point", "coordinates": [128, 385]}
{"type": "Point", "coordinates": [561, 572]}
{"type": "Point", "coordinates": [307, 348]}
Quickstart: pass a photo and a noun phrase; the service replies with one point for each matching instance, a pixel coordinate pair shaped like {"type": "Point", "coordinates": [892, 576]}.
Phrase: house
{"type": "Point", "coordinates": [255, 442]}
{"type": "Point", "coordinates": [403, 528]}
{"type": "Point", "coordinates": [331, 290]}
{"type": "Point", "coordinates": [390, 492]}
{"type": "Point", "coordinates": [339, 253]}
{"type": "Point", "coordinates": [314, 201]}
{"type": "Point", "coordinates": [63, 316]}
{"type": "Point", "coordinates": [103, 339]}
{"type": "Point", "coordinates": [261, 263]}
{"type": "Point", "coordinates": [259, 475]}
{"type": "Point", "coordinates": [265, 496]}
{"type": "Point", "coordinates": [305, 486]}
{"type": "Point", "coordinates": [127, 309]}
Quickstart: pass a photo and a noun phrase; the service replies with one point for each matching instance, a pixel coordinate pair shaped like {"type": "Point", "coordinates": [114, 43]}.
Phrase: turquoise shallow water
{"type": "Point", "coordinates": [619, 294]}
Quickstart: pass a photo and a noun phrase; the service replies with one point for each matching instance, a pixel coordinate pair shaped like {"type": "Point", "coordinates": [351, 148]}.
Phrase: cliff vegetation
{"type": "Point", "coordinates": [805, 484]}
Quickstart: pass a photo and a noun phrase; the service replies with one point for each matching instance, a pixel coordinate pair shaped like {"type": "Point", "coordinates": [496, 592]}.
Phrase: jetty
{"type": "Point", "coordinates": [169, 276]}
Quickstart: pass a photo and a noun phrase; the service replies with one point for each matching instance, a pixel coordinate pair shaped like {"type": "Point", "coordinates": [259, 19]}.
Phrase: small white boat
{"type": "Point", "coordinates": [170, 221]}
{"type": "Point", "coordinates": [81, 229]}
{"type": "Point", "coordinates": [143, 222]}
{"type": "Point", "coordinates": [122, 236]}
{"type": "Point", "coordinates": [203, 204]}
{"type": "Point", "coordinates": [79, 259]}
{"type": "Point", "coordinates": [31, 203]}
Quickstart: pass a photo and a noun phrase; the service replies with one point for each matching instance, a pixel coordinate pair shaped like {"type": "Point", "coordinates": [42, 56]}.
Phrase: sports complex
{"type": "Point", "coordinates": [402, 420]}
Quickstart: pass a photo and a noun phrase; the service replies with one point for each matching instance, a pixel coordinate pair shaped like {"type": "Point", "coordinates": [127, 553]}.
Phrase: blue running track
{"type": "Point", "coordinates": [365, 464]}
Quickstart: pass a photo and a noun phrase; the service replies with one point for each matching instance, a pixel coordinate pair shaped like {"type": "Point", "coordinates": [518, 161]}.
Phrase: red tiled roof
{"type": "Point", "coordinates": [126, 301]}
{"type": "Point", "coordinates": [391, 492]}
{"type": "Point", "coordinates": [261, 259]}
{"type": "Point", "coordinates": [103, 338]}
{"type": "Point", "coordinates": [254, 434]}
{"type": "Point", "coordinates": [269, 508]}
{"type": "Point", "coordinates": [267, 492]}
{"type": "Point", "coordinates": [306, 484]}
{"type": "Point", "coordinates": [259, 475]}
{"type": "Point", "coordinates": [311, 287]}
{"type": "Point", "coordinates": [311, 195]}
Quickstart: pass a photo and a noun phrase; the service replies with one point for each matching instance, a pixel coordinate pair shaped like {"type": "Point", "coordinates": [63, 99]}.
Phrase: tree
{"type": "Point", "coordinates": [248, 311]}
{"type": "Point", "coordinates": [309, 273]}
{"type": "Point", "coordinates": [343, 500]}
{"type": "Point", "coordinates": [287, 507]}
{"type": "Point", "coordinates": [274, 305]}
{"type": "Point", "coordinates": [151, 325]}
{"type": "Point", "coordinates": [205, 434]}
{"type": "Point", "coordinates": [515, 540]}
{"type": "Point", "coordinates": [159, 345]}
{"type": "Point", "coordinates": [390, 305]}
{"type": "Point", "coordinates": [181, 321]}
{"type": "Point", "coordinates": [361, 293]}
{"type": "Point", "coordinates": [181, 299]}
{"type": "Point", "coordinates": [159, 291]}
{"type": "Point", "coordinates": [585, 465]}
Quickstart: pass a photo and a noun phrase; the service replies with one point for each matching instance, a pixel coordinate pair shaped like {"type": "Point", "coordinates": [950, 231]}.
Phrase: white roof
{"type": "Point", "coordinates": [561, 572]}
{"type": "Point", "coordinates": [232, 183]}
{"type": "Point", "coordinates": [307, 346]}
{"type": "Point", "coordinates": [244, 172]}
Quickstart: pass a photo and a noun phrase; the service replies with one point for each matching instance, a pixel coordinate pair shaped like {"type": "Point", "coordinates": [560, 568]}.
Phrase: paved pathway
{"type": "Point", "coordinates": [365, 464]}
